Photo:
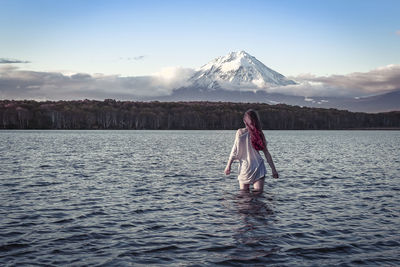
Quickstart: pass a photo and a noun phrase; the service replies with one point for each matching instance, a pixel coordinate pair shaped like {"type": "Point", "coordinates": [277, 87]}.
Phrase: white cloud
{"type": "Point", "coordinates": [173, 76]}
{"type": "Point", "coordinates": [139, 57]}
{"type": "Point", "coordinates": [12, 61]}
{"type": "Point", "coordinates": [21, 84]}
{"type": "Point", "coordinates": [377, 81]}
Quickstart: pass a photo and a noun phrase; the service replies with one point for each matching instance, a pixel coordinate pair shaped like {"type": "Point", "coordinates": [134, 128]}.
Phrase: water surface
{"type": "Point", "coordinates": [160, 198]}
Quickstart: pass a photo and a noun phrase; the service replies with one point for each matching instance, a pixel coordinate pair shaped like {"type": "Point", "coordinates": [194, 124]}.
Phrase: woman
{"type": "Point", "coordinates": [248, 142]}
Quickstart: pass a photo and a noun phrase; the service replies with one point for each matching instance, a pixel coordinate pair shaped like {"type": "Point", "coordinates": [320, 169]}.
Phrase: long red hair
{"type": "Point", "coordinates": [256, 135]}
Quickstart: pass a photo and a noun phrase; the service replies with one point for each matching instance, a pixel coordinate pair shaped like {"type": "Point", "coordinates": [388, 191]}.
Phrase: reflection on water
{"type": "Point", "coordinates": [255, 214]}
{"type": "Point", "coordinates": [252, 204]}
{"type": "Point", "coordinates": [144, 198]}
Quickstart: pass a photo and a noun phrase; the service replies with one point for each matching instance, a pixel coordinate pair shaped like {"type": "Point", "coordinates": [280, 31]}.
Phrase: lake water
{"type": "Point", "coordinates": [123, 198]}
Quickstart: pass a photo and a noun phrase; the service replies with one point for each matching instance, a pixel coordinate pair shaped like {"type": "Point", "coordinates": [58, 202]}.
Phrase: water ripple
{"type": "Point", "coordinates": [112, 198]}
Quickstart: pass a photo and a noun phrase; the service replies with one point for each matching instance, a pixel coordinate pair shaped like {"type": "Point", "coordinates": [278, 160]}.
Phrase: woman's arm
{"type": "Point", "coordinates": [228, 167]}
{"type": "Point", "coordinates": [270, 162]}
{"type": "Point", "coordinates": [232, 155]}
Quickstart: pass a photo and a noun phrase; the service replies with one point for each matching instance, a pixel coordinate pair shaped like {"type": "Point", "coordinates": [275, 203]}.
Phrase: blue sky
{"type": "Point", "coordinates": [142, 37]}
{"type": "Point", "coordinates": [331, 46]}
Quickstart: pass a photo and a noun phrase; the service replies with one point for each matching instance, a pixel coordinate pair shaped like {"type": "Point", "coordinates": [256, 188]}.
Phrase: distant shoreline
{"type": "Point", "coordinates": [130, 115]}
{"type": "Point", "coordinates": [350, 129]}
{"type": "Point", "coordinates": [375, 129]}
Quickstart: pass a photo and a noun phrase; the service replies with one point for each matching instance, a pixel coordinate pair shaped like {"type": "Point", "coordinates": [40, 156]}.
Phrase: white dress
{"type": "Point", "coordinates": [251, 164]}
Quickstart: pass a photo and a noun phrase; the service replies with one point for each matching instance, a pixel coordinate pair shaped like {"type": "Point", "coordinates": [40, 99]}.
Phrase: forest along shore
{"type": "Point", "coordinates": [112, 114]}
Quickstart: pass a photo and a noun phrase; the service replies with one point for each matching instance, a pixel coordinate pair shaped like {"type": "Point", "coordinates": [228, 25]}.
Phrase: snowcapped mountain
{"type": "Point", "coordinates": [238, 76]}
{"type": "Point", "coordinates": [237, 70]}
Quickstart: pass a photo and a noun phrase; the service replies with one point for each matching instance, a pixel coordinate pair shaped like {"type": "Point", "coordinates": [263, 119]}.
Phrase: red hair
{"type": "Point", "coordinates": [256, 135]}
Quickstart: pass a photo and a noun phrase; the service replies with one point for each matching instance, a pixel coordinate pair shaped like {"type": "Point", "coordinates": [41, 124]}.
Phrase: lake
{"type": "Point", "coordinates": [123, 198]}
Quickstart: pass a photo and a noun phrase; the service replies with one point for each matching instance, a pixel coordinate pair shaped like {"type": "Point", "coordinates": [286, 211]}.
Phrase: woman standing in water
{"type": "Point", "coordinates": [248, 142]}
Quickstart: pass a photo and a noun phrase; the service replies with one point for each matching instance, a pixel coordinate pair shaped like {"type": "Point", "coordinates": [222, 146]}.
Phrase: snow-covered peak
{"type": "Point", "coordinates": [230, 62]}
{"type": "Point", "coordinates": [237, 70]}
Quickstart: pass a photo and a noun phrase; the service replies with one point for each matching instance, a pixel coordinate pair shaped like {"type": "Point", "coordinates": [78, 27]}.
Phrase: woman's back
{"type": "Point", "coordinates": [248, 142]}
{"type": "Point", "coordinates": [251, 164]}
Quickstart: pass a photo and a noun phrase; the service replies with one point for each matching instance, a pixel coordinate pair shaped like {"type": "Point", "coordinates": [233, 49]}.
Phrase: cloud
{"type": "Point", "coordinates": [22, 84]}
{"type": "Point", "coordinates": [377, 81]}
{"type": "Point", "coordinates": [139, 57]}
{"type": "Point", "coordinates": [16, 83]}
{"type": "Point", "coordinates": [398, 32]}
{"type": "Point", "coordinates": [174, 77]}
{"type": "Point", "coordinates": [11, 61]}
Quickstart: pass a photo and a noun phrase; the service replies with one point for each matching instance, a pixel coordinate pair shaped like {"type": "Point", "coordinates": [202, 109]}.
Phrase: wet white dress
{"type": "Point", "coordinates": [251, 164]}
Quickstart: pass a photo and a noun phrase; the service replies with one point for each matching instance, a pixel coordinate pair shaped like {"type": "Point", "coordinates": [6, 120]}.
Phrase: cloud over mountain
{"type": "Point", "coordinates": [381, 80]}
{"type": "Point", "coordinates": [21, 84]}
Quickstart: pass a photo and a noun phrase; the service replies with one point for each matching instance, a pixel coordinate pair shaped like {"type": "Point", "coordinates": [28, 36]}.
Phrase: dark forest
{"type": "Point", "coordinates": [112, 114]}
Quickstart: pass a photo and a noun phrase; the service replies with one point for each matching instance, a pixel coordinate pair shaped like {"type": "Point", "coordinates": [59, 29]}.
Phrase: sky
{"type": "Point", "coordinates": [147, 47]}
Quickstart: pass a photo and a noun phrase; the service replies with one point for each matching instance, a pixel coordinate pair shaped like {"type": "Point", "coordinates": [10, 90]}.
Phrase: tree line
{"type": "Point", "coordinates": [112, 114]}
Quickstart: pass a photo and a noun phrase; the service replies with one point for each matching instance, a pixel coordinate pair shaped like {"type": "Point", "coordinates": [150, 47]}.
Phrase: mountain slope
{"type": "Point", "coordinates": [380, 103]}
{"type": "Point", "coordinates": [237, 70]}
